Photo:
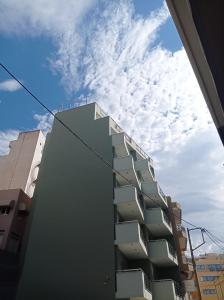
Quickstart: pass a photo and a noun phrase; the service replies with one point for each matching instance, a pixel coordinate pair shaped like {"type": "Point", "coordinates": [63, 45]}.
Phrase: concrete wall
{"type": "Point", "coordinates": [70, 252]}
{"type": "Point", "coordinates": [19, 169]}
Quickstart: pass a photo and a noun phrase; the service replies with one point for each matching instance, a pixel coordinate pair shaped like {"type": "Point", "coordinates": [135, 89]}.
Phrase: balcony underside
{"type": "Point", "coordinates": [160, 230]}
{"type": "Point", "coordinates": [133, 250]}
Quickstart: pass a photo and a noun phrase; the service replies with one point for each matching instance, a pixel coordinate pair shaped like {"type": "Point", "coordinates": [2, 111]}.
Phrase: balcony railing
{"type": "Point", "coordinates": [166, 218]}
{"type": "Point", "coordinates": [179, 289]}
{"type": "Point", "coordinates": [125, 171]}
{"type": "Point", "coordinates": [130, 240]}
{"type": "Point", "coordinates": [134, 145]}
{"type": "Point", "coordinates": [133, 284]}
{"type": "Point", "coordinates": [167, 289]}
{"type": "Point", "coordinates": [157, 222]}
{"type": "Point", "coordinates": [128, 203]}
{"type": "Point", "coordinates": [153, 194]}
{"type": "Point", "coordinates": [162, 253]}
{"type": "Point", "coordinates": [171, 249]}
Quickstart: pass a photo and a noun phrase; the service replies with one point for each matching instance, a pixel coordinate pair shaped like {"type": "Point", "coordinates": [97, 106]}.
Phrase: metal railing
{"type": "Point", "coordinates": [143, 237]}
{"type": "Point", "coordinates": [147, 282]}
{"type": "Point", "coordinates": [101, 112]}
{"type": "Point", "coordinates": [161, 193]}
{"type": "Point", "coordinates": [179, 289]}
{"type": "Point", "coordinates": [132, 142]}
{"type": "Point", "coordinates": [166, 218]}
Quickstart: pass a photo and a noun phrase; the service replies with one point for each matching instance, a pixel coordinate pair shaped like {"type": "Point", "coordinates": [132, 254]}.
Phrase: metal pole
{"type": "Point", "coordinates": [194, 264]}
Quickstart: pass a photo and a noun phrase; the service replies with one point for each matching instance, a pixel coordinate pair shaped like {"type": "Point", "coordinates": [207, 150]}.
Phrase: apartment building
{"type": "Point", "coordinates": [101, 226]}
{"type": "Point", "coordinates": [19, 168]}
{"type": "Point", "coordinates": [185, 264]}
{"type": "Point", "coordinates": [18, 174]}
{"type": "Point", "coordinates": [210, 271]}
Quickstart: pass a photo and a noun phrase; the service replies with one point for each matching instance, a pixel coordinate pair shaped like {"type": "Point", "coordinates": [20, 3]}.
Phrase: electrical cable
{"type": "Point", "coordinates": [83, 141]}
{"type": "Point", "coordinates": [211, 238]}
{"type": "Point", "coordinates": [215, 237]}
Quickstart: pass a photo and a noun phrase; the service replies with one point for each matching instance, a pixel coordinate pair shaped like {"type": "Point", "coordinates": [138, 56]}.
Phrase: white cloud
{"type": "Point", "coordinates": [194, 177]}
{"type": "Point", "coordinates": [9, 85]}
{"type": "Point", "coordinates": [150, 91]}
{"type": "Point", "coordinates": [52, 17]}
{"type": "Point", "coordinates": [45, 122]}
{"type": "Point", "coordinates": [5, 138]}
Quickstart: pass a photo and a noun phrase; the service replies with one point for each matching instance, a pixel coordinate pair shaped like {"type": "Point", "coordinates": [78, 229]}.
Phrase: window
{"type": "Point", "coordinates": [216, 267]}
{"type": "Point", "coordinates": [4, 210]}
{"type": "Point", "coordinates": [201, 268]}
{"type": "Point", "coordinates": [209, 278]}
{"type": "Point", "coordinates": [209, 292]}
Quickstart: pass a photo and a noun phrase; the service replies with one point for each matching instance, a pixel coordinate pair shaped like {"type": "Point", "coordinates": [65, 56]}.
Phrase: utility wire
{"type": "Point", "coordinates": [215, 237]}
{"type": "Point", "coordinates": [81, 139]}
{"type": "Point", "coordinates": [213, 240]}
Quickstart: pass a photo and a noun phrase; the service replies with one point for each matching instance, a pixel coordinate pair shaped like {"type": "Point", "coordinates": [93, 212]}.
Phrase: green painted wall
{"type": "Point", "coordinates": [70, 251]}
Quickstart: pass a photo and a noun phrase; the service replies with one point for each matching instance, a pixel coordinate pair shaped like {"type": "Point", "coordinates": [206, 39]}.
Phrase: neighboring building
{"type": "Point", "coordinates": [179, 231]}
{"type": "Point", "coordinates": [14, 209]}
{"type": "Point", "coordinates": [200, 26]}
{"type": "Point", "coordinates": [99, 230]}
{"type": "Point", "coordinates": [210, 271]}
{"type": "Point", "coordinates": [18, 174]}
{"type": "Point", "coordinates": [19, 169]}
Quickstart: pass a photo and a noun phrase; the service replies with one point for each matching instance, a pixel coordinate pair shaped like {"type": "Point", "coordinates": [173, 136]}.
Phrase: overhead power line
{"type": "Point", "coordinates": [80, 138]}
{"type": "Point", "coordinates": [213, 240]}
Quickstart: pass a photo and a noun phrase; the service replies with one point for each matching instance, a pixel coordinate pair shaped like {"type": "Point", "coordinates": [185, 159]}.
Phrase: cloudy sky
{"type": "Point", "coordinates": [127, 56]}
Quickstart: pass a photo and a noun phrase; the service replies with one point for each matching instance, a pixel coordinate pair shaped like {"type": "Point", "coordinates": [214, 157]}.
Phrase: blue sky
{"type": "Point", "coordinates": [28, 58]}
{"type": "Point", "coordinates": [127, 56]}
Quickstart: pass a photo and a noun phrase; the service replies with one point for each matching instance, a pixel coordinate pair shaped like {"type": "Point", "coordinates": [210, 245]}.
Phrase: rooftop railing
{"type": "Point", "coordinates": [131, 141]}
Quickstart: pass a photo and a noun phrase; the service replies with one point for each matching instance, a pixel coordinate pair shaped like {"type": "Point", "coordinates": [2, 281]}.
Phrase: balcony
{"type": "Point", "coordinates": [157, 222]}
{"type": "Point", "coordinates": [119, 144]}
{"type": "Point", "coordinates": [161, 253]}
{"type": "Point", "coordinates": [127, 175]}
{"type": "Point", "coordinates": [130, 240]}
{"type": "Point", "coordinates": [186, 265]}
{"type": "Point", "coordinates": [132, 284]}
{"type": "Point", "coordinates": [127, 202]}
{"type": "Point", "coordinates": [182, 236]}
{"type": "Point", "coordinates": [145, 168]}
{"type": "Point", "coordinates": [166, 290]}
{"type": "Point", "coordinates": [153, 195]}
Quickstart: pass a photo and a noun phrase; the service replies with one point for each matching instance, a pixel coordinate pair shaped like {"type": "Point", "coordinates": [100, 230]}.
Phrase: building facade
{"type": "Point", "coordinates": [19, 168]}
{"type": "Point", "coordinates": [101, 225]}
{"type": "Point", "coordinates": [185, 264]}
{"type": "Point", "coordinates": [210, 271]}
{"type": "Point", "coordinates": [18, 174]}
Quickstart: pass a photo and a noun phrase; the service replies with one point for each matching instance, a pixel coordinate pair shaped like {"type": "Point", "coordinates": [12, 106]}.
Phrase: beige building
{"type": "Point", "coordinates": [19, 169]}
{"type": "Point", "coordinates": [185, 264]}
{"type": "Point", "coordinates": [210, 271]}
